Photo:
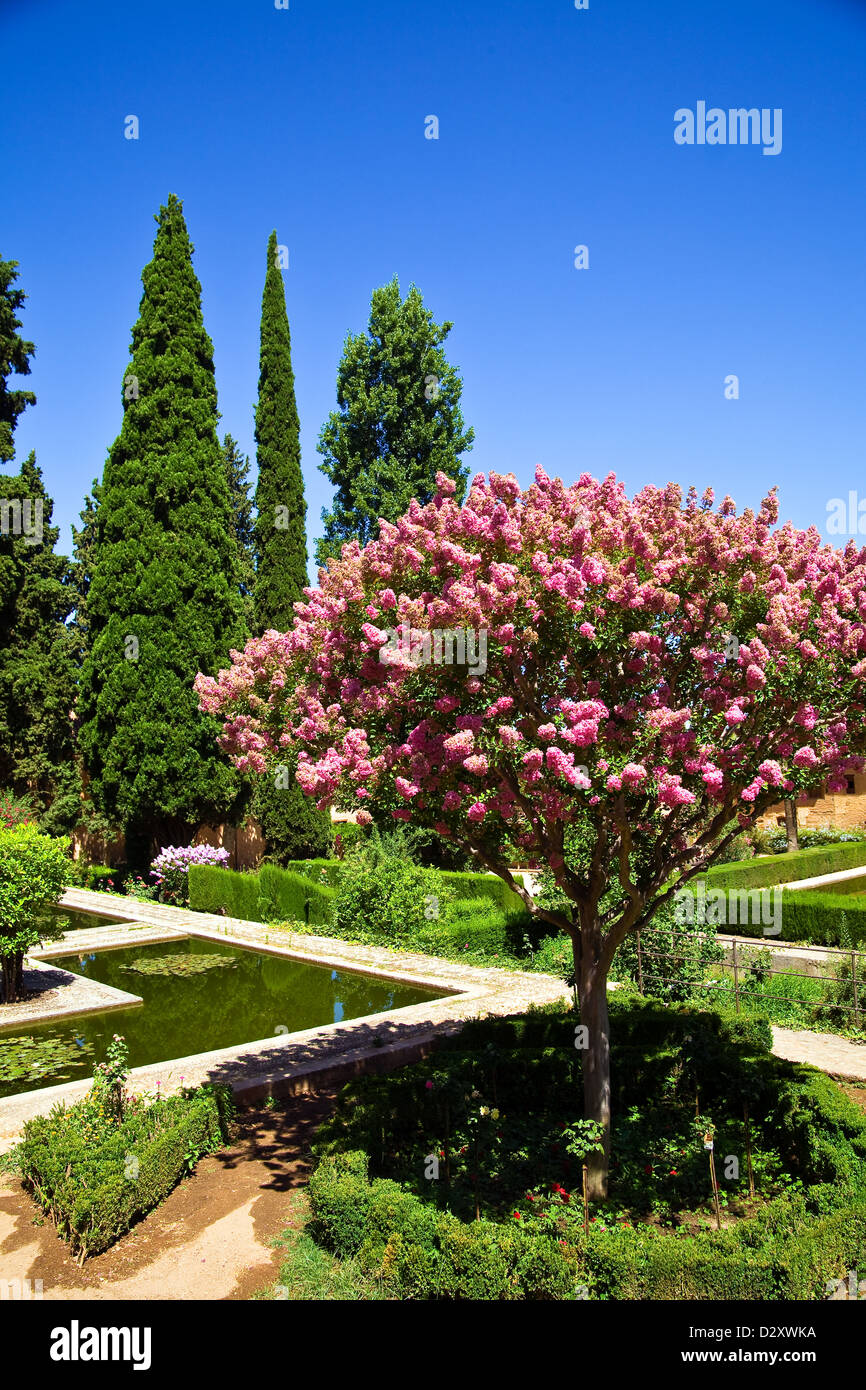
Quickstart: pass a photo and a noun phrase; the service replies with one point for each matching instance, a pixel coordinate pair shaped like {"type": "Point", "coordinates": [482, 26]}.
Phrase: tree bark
{"type": "Point", "coordinates": [592, 1000]}
{"type": "Point", "coordinates": [791, 825]}
{"type": "Point", "coordinates": [12, 977]}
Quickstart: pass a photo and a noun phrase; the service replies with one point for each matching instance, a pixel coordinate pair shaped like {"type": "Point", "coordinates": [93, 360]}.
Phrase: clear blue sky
{"type": "Point", "coordinates": [556, 128]}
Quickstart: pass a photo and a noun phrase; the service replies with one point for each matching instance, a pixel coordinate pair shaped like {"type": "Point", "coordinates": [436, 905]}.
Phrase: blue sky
{"type": "Point", "coordinates": [556, 129]}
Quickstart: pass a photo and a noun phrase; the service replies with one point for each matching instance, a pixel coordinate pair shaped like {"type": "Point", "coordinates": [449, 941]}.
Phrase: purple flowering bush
{"type": "Point", "coordinates": [170, 869]}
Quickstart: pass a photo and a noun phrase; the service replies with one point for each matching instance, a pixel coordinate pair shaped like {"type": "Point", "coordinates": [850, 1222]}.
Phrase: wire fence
{"type": "Point", "coordinates": [840, 970]}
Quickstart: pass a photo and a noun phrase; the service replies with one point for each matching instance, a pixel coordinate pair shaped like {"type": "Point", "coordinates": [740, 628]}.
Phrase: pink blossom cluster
{"type": "Point", "coordinates": [609, 622]}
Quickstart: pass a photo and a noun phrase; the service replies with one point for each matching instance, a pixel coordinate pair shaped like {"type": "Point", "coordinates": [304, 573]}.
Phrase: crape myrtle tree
{"type": "Point", "coordinates": [164, 597]}
{"type": "Point", "coordinates": [399, 421]}
{"type": "Point", "coordinates": [658, 673]}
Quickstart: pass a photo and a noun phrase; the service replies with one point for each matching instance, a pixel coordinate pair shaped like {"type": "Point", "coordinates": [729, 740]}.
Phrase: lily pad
{"type": "Point", "coordinates": [23, 1057]}
{"type": "Point", "coordinates": [181, 963]}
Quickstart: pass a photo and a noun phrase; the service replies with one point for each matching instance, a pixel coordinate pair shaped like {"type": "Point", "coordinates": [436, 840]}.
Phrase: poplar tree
{"type": "Point", "coordinates": [398, 421]}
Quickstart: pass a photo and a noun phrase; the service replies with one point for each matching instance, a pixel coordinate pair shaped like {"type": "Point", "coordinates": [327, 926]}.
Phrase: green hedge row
{"type": "Point", "coordinates": [271, 895]}
{"type": "Point", "coordinates": [94, 1191]}
{"type": "Point", "coordinates": [786, 868]}
{"type": "Point", "coordinates": [468, 885]}
{"type": "Point", "coordinates": [806, 915]}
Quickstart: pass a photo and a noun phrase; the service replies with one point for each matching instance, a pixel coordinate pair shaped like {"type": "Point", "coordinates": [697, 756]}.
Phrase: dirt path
{"type": "Point", "coordinates": [208, 1239]}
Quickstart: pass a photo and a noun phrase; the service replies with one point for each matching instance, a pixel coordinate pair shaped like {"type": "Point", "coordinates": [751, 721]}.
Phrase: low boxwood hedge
{"type": "Point", "coordinates": [787, 868]}
{"type": "Point", "coordinates": [212, 889]}
{"type": "Point", "coordinates": [95, 1188]}
{"type": "Point", "coordinates": [790, 1249]}
{"type": "Point", "coordinates": [271, 895]}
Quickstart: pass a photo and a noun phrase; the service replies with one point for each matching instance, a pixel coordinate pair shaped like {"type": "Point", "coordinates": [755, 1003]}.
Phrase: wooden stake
{"type": "Point", "coordinates": [708, 1144]}
{"type": "Point", "coordinates": [749, 1151]}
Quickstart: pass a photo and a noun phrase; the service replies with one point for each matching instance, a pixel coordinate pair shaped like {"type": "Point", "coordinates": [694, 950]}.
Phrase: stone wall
{"type": "Point", "coordinates": [842, 810]}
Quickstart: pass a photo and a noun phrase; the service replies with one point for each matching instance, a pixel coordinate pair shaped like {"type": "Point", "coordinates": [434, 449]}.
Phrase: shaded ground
{"type": "Point", "coordinates": [208, 1240]}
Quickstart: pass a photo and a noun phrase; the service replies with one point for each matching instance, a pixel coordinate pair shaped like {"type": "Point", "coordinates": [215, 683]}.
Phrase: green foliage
{"type": "Point", "coordinates": [787, 868]}
{"type": "Point", "coordinates": [776, 841]}
{"type": "Point", "coordinates": [180, 963]}
{"type": "Point", "coordinates": [373, 1202]}
{"type": "Point", "coordinates": [387, 900]}
{"type": "Point", "coordinates": [280, 526]}
{"type": "Point", "coordinates": [674, 957]}
{"type": "Point", "coordinates": [398, 423]}
{"type": "Point", "coordinates": [37, 653]}
{"type": "Point", "coordinates": [164, 572]}
{"type": "Point", "coordinates": [347, 836]}
{"type": "Point", "coordinates": [37, 1055]}
{"type": "Point", "coordinates": [94, 1180]}
{"type": "Point", "coordinates": [292, 825]}
{"type": "Point", "coordinates": [33, 873]}
{"type": "Point", "coordinates": [242, 527]}
{"type": "Point", "coordinates": [15, 354]}
{"type": "Point", "coordinates": [93, 876]}
{"type": "Point", "coordinates": [213, 889]}
{"type": "Point", "coordinates": [289, 897]}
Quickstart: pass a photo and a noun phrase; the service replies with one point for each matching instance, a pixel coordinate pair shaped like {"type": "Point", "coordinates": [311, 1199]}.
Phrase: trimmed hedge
{"type": "Point", "coordinates": [285, 896]}
{"type": "Point", "coordinates": [271, 895]}
{"type": "Point", "coordinates": [766, 871]}
{"type": "Point", "coordinates": [468, 885]}
{"type": "Point", "coordinates": [88, 1189]}
{"type": "Point", "coordinates": [313, 868]}
{"type": "Point", "coordinates": [212, 888]}
{"type": "Point", "coordinates": [789, 1250]}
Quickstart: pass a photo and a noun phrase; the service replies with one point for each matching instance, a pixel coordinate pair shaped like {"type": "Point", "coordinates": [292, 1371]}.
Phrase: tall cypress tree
{"type": "Point", "coordinates": [15, 354]}
{"type": "Point", "coordinates": [280, 530]}
{"type": "Point", "coordinates": [37, 666]}
{"type": "Point", "coordinates": [237, 467]}
{"type": "Point", "coordinates": [164, 599]}
{"type": "Point", "coordinates": [399, 420]}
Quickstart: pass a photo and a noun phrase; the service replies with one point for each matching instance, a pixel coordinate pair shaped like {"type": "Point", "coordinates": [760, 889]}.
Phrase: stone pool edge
{"type": "Point", "coordinates": [286, 1064]}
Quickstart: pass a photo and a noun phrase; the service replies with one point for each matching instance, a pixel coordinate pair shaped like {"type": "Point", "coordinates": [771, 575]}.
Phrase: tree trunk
{"type": "Point", "coordinates": [791, 825]}
{"type": "Point", "coordinates": [592, 1000]}
{"type": "Point", "coordinates": [12, 977]}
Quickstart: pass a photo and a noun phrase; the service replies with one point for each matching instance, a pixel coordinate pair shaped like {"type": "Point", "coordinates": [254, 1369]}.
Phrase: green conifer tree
{"type": "Point", "coordinates": [15, 354]}
{"type": "Point", "coordinates": [281, 511]}
{"type": "Point", "coordinates": [164, 598]}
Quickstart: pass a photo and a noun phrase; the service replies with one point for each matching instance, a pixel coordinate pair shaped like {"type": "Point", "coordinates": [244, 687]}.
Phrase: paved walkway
{"type": "Point", "coordinates": [826, 1051]}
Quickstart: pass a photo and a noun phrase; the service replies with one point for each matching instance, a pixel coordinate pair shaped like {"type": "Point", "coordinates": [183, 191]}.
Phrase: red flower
{"type": "Point", "coordinates": [672, 1173]}
{"type": "Point", "coordinates": [517, 1216]}
{"type": "Point", "coordinates": [648, 1168]}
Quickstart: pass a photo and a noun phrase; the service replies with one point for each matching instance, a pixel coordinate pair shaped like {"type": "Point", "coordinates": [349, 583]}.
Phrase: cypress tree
{"type": "Point", "coordinates": [37, 666]}
{"type": "Point", "coordinates": [280, 528]}
{"type": "Point", "coordinates": [237, 469]}
{"type": "Point", "coordinates": [399, 420]}
{"type": "Point", "coordinates": [15, 354]}
{"type": "Point", "coordinates": [164, 599]}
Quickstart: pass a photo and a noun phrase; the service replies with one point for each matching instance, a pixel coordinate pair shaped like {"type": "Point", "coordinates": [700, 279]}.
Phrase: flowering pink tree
{"type": "Point", "coordinates": [657, 674]}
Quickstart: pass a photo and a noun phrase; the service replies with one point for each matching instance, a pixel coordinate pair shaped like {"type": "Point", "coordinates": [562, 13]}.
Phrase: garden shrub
{"type": "Point", "coordinates": [674, 959]}
{"type": "Point", "coordinates": [97, 877]}
{"type": "Point", "coordinates": [764, 872]}
{"type": "Point", "coordinates": [214, 890]}
{"type": "Point", "coordinates": [467, 885]}
{"type": "Point", "coordinates": [808, 837]}
{"type": "Point", "coordinates": [387, 900]}
{"type": "Point", "coordinates": [318, 870]}
{"type": "Point", "coordinates": [170, 869]}
{"type": "Point", "coordinates": [794, 1244]}
{"type": "Point", "coordinates": [34, 870]}
{"type": "Point", "coordinates": [81, 1175]}
{"type": "Point", "coordinates": [285, 896]}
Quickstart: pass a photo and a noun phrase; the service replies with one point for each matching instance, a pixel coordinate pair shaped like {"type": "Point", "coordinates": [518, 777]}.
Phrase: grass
{"type": "Point", "coordinates": [309, 1274]}
{"type": "Point", "coordinates": [785, 999]}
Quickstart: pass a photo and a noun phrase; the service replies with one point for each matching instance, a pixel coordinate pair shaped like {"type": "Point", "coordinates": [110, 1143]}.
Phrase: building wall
{"type": "Point", "coordinates": [842, 810]}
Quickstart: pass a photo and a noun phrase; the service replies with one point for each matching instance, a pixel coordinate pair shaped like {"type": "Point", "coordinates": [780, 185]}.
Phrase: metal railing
{"type": "Point", "coordinates": [750, 964]}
